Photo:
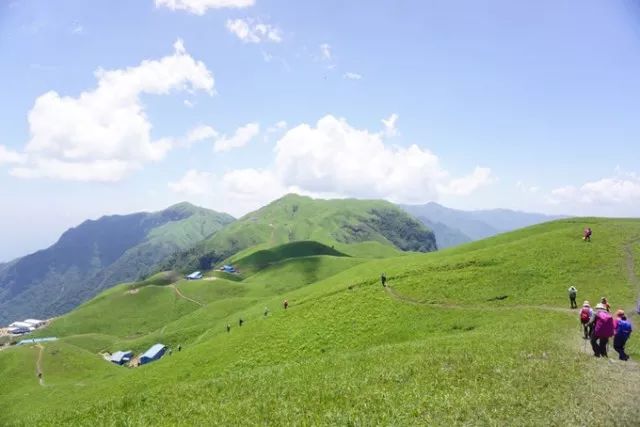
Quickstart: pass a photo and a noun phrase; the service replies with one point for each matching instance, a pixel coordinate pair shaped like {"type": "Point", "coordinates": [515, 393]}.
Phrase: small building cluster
{"type": "Point", "coordinates": [154, 353]}
{"type": "Point", "coordinates": [24, 327]}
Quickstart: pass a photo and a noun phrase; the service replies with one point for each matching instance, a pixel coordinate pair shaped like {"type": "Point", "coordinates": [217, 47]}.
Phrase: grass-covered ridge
{"type": "Point", "coordinates": [296, 218]}
{"type": "Point", "coordinates": [435, 348]}
{"type": "Point", "coordinates": [98, 254]}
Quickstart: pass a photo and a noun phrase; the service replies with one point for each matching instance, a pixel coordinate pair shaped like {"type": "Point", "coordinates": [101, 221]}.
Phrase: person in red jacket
{"type": "Point", "coordinates": [601, 323]}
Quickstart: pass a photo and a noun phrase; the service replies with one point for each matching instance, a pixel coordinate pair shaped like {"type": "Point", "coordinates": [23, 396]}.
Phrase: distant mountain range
{"type": "Point", "coordinates": [453, 227]}
{"type": "Point", "coordinates": [98, 254]}
{"type": "Point", "coordinates": [121, 248]}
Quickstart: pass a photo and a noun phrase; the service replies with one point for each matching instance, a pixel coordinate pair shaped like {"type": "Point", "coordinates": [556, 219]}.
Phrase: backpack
{"type": "Point", "coordinates": [584, 315]}
{"type": "Point", "coordinates": [624, 328]}
{"type": "Point", "coordinates": [604, 325]}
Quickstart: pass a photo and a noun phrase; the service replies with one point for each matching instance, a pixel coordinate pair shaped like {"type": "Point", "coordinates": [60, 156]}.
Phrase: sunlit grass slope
{"type": "Point", "coordinates": [296, 218]}
{"type": "Point", "coordinates": [438, 348]}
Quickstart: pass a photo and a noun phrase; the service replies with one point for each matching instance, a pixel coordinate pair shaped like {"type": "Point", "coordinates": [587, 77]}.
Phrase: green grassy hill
{"type": "Point", "coordinates": [337, 223]}
{"type": "Point", "coordinates": [480, 334]}
{"type": "Point", "coordinates": [98, 254]}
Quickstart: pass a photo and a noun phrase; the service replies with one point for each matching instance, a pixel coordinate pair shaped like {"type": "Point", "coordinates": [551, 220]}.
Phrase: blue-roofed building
{"type": "Point", "coordinates": [228, 269]}
{"type": "Point", "coordinates": [121, 357]}
{"type": "Point", "coordinates": [196, 275]}
{"type": "Point", "coordinates": [154, 353]}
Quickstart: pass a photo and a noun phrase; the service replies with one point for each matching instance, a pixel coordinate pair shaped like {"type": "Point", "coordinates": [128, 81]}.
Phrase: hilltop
{"type": "Point", "coordinates": [366, 228]}
{"type": "Point", "coordinates": [477, 334]}
{"type": "Point", "coordinates": [98, 254]}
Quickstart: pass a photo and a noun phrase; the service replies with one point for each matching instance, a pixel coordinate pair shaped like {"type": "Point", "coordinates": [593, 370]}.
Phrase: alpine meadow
{"type": "Point", "coordinates": [319, 213]}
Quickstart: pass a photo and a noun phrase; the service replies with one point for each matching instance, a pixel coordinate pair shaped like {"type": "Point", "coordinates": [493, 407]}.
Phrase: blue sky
{"type": "Point", "coordinates": [524, 105]}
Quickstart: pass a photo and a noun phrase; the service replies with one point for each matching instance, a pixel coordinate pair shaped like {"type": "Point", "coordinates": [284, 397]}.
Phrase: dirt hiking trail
{"type": "Point", "coordinates": [181, 295]}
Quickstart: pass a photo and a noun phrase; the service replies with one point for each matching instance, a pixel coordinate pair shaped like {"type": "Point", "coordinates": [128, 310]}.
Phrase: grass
{"type": "Point", "coordinates": [435, 351]}
{"type": "Point", "coordinates": [296, 218]}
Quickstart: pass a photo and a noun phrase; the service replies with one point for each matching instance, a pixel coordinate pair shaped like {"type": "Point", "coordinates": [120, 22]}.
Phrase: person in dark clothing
{"type": "Point", "coordinates": [179, 347]}
{"type": "Point", "coordinates": [240, 322]}
{"type": "Point", "coordinates": [587, 234]}
{"type": "Point", "coordinates": [285, 304]}
{"type": "Point", "coordinates": [383, 279]}
{"type": "Point", "coordinates": [228, 327]}
{"type": "Point", "coordinates": [601, 324]}
{"type": "Point", "coordinates": [622, 334]}
{"type": "Point", "coordinates": [573, 293]}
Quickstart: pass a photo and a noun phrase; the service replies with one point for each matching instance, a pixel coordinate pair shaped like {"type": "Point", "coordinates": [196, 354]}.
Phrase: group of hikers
{"type": "Point", "coordinates": [599, 326]}
{"type": "Point", "coordinates": [285, 305]}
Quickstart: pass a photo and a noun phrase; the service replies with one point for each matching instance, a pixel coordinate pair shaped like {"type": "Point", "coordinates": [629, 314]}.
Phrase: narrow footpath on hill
{"type": "Point", "coordinates": [181, 295]}
{"type": "Point", "coordinates": [631, 266]}
{"type": "Point", "coordinates": [39, 373]}
{"type": "Point", "coordinates": [409, 300]}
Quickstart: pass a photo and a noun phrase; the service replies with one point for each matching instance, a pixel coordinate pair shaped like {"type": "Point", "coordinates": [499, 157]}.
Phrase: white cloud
{"type": "Point", "coordinates": [325, 51]}
{"type": "Point", "coordinates": [10, 156]}
{"type": "Point", "coordinates": [194, 183]}
{"type": "Point", "coordinates": [335, 158]}
{"type": "Point", "coordinates": [467, 184]}
{"type": "Point", "coordinates": [248, 184]}
{"type": "Point", "coordinates": [277, 127]}
{"type": "Point", "coordinates": [104, 133]}
{"type": "Point", "coordinates": [252, 31]}
{"type": "Point", "coordinates": [200, 133]}
{"type": "Point", "coordinates": [188, 103]}
{"type": "Point", "coordinates": [200, 7]}
{"type": "Point", "coordinates": [242, 136]}
{"type": "Point", "coordinates": [390, 129]}
{"type": "Point", "coordinates": [77, 29]}
{"type": "Point", "coordinates": [533, 189]}
{"type": "Point", "coordinates": [622, 189]}
{"type": "Point", "coordinates": [352, 76]}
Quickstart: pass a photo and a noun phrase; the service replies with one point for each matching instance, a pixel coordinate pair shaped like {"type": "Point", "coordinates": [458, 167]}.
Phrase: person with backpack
{"type": "Point", "coordinates": [602, 329]}
{"type": "Point", "coordinates": [573, 293]}
{"type": "Point", "coordinates": [604, 302]}
{"type": "Point", "coordinates": [587, 234]}
{"type": "Point", "coordinates": [383, 280]}
{"type": "Point", "coordinates": [622, 333]}
{"type": "Point", "coordinates": [585, 316]}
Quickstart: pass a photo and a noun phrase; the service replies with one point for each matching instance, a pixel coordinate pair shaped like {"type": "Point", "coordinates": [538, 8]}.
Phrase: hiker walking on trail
{"type": "Point", "coordinates": [602, 329]}
{"type": "Point", "coordinates": [604, 302]}
{"type": "Point", "coordinates": [228, 327]}
{"type": "Point", "coordinates": [586, 236]}
{"type": "Point", "coordinates": [573, 293]}
{"type": "Point", "coordinates": [622, 332]}
{"type": "Point", "coordinates": [285, 304]}
{"type": "Point", "coordinates": [179, 347]}
{"type": "Point", "coordinates": [240, 322]}
{"type": "Point", "coordinates": [383, 279]}
{"type": "Point", "coordinates": [585, 316]}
